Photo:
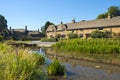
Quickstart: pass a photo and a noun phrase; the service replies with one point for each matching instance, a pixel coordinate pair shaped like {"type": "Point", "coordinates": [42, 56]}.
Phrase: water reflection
{"type": "Point", "coordinates": [83, 70]}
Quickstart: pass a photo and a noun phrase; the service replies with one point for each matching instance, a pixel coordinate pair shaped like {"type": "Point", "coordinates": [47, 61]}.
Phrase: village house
{"type": "Point", "coordinates": [84, 28]}
{"type": "Point", "coordinates": [25, 34]}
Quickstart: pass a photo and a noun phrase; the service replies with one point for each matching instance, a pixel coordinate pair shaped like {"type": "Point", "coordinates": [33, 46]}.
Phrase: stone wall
{"type": "Point", "coordinates": [83, 32]}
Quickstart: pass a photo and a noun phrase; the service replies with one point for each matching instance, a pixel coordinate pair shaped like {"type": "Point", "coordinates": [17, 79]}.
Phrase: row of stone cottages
{"type": "Point", "coordinates": [25, 34]}
{"type": "Point", "coordinates": [84, 28]}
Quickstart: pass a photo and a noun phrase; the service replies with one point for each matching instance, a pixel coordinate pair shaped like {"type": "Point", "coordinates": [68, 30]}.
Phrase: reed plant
{"type": "Point", "coordinates": [19, 64]}
{"type": "Point", "coordinates": [55, 68]}
{"type": "Point", "coordinates": [89, 46]}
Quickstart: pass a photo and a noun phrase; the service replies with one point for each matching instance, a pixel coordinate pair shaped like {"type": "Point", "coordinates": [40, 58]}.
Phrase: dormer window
{"type": "Point", "coordinates": [81, 29]}
{"type": "Point", "coordinates": [53, 29]}
{"type": "Point", "coordinates": [72, 31]}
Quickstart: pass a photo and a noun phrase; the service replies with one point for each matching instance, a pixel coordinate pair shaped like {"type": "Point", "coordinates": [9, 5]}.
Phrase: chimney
{"type": "Point", "coordinates": [109, 17]}
{"type": "Point", "coordinates": [73, 21]}
{"type": "Point", "coordinates": [26, 28]}
{"type": "Point", "coordinates": [38, 30]}
{"type": "Point", "coordinates": [10, 28]}
{"type": "Point", "coordinates": [61, 22]}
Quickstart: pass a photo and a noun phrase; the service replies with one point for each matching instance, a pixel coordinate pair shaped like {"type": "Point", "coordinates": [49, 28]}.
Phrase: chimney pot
{"type": "Point", "coordinates": [109, 16]}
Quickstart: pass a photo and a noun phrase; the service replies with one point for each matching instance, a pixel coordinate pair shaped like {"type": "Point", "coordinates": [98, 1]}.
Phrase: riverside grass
{"type": "Point", "coordinates": [56, 69]}
{"type": "Point", "coordinates": [106, 49]}
{"type": "Point", "coordinates": [96, 46]}
{"type": "Point", "coordinates": [19, 64]}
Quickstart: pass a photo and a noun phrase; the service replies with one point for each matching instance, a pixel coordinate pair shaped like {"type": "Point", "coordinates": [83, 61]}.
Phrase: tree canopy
{"type": "Point", "coordinates": [43, 28]}
{"type": "Point", "coordinates": [112, 10]}
{"type": "Point", "coordinates": [3, 23]}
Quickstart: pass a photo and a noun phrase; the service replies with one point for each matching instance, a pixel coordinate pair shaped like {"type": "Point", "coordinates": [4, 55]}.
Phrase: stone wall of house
{"type": "Point", "coordinates": [83, 32]}
{"type": "Point", "coordinates": [116, 30]}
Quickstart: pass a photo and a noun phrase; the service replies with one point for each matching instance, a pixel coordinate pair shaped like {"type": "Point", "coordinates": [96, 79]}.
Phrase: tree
{"type": "Point", "coordinates": [101, 16]}
{"type": "Point", "coordinates": [5, 33]}
{"type": "Point", "coordinates": [43, 28]}
{"type": "Point", "coordinates": [112, 10]}
{"type": "Point", "coordinates": [3, 23]}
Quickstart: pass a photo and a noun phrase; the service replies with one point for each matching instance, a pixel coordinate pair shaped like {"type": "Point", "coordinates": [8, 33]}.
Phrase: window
{"type": "Point", "coordinates": [51, 36]}
{"type": "Point", "coordinates": [100, 28]}
{"type": "Point", "coordinates": [81, 35]}
{"type": "Point", "coordinates": [88, 35]}
{"type": "Point", "coordinates": [72, 31]}
{"type": "Point", "coordinates": [63, 36]}
{"type": "Point", "coordinates": [81, 29]}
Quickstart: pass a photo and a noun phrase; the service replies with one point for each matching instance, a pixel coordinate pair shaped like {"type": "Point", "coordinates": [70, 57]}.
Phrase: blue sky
{"type": "Point", "coordinates": [34, 13]}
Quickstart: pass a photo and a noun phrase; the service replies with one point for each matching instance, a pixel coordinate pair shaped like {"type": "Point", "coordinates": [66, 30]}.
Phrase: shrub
{"type": "Point", "coordinates": [48, 39]}
{"type": "Point", "coordinates": [72, 35]}
{"type": "Point", "coordinates": [55, 68]}
{"type": "Point", "coordinates": [1, 38]}
{"type": "Point", "coordinates": [100, 34]}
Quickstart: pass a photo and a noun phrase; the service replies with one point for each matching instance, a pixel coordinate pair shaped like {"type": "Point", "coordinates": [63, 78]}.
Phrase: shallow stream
{"type": "Point", "coordinates": [85, 70]}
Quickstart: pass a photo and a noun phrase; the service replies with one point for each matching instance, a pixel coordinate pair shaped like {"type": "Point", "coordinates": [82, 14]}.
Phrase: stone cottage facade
{"type": "Point", "coordinates": [84, 28]}
{"type": "Point", "coordinates": [25, 34]}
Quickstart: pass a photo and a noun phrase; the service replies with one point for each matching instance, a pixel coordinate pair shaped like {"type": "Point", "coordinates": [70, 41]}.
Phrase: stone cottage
{"type": "Point", "coordinates": [84, 28]}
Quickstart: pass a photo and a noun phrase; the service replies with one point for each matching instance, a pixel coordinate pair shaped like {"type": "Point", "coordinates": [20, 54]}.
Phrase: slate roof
{"type": "Point", "coordinates": [90, 24]}
{"type": "Point", "coordinates": [51, 28]}
{"type": "Point", "coordinates": [33, 32]}
{"type": "Point", "coordinates": [19, 30]}
{"type": "Point", "coordinates": [61, 27]}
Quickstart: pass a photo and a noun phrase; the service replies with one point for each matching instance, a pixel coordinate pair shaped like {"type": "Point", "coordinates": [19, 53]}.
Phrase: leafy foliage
{"type": "Point", "coordinates": [72, 35]}
{"type": "Point", "coordinates": [101, 16]}
{"type": "Point", "coordinates": [101, 34]}
{"type": "Point", "coordinates": [19, 64]}
{"type": "Point", "coordinates": [1, 38]}
{"type": "Point", "coordinates": [3, 23]}
{"type": "Point", "coordinates": [43, 28]}
{"type": "Point", "coordinates": [112, 10]}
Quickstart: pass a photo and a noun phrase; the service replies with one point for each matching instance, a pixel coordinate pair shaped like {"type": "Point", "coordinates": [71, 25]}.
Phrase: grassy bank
{"type": "Point", "coordinates": [19, 64]}
{"type": "Point", "coordinates": [96, 48]}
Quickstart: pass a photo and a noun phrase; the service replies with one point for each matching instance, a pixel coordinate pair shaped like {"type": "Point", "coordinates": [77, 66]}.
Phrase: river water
{"type": "Point", "coordinates": [85, 70]}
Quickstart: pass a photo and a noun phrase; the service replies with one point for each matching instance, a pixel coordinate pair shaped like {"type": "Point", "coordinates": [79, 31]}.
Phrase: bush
{"type": "Point", "coordinates": [48, 39]}
{"type": "Point", "coordinates": [72, 35]}
{"type": "Point", "coordinates": [101, 34]}
{"type": "Point", "coordinates": [55, 68]}
{"type": "Point", "coordinates": [1, 38]}
{"type": "Point", "coordinates": [19, 64]}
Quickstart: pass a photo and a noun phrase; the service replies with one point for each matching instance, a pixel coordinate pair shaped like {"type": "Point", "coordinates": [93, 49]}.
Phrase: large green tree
{"type": "Point", "coordinates": [43, 28]}
{"type": "Point", "coordinates": [3, 23]}
{"type": "Point", "coordinates": [4, 33]}
{"type": "Point", "coordinates": [101, 16]}
{"type": "Point", "coordinates": [112, 10]}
